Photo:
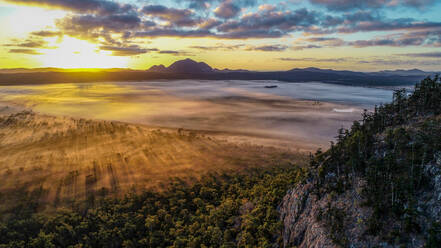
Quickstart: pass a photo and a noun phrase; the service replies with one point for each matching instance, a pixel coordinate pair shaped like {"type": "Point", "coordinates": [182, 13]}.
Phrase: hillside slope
{"type": "Point", "coordinates": [379, 185]}
{"type": "Point", "coordinates": [69, 182]}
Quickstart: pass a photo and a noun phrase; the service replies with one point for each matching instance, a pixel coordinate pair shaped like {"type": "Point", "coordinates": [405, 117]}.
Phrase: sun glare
{"type": "Point", "coordinates": [75, 53]}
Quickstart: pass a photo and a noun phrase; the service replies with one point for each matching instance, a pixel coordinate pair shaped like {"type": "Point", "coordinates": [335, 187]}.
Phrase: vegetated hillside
{"type": "Point", "coordinates": [226, 210]}
{"type": "Point", "coordinates": [379, 185]}
{"type": "Point", "coordinates": [69, 182]}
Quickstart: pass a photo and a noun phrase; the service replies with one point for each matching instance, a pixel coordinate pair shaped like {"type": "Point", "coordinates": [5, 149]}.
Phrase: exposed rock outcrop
{"type": "Point", "coordinates": [303, 214]}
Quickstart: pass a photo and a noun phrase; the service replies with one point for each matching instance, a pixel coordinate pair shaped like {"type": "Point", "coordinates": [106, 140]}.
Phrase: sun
{"type": "Point", "coordinates": [74, 53]}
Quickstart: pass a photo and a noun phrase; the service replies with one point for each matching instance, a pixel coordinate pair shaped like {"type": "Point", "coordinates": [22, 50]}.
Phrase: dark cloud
{"type": "Point", "coordinates": [268, 23]}
{"type": "Point", "coordinates": [25, 51]}
{"type": "Point", "coordinates": [401, 62]}
{"type": "Point", "coordinates": [28, 43]}
{"type": "Point", "coordinates": [374, 61]}
{"type": "Point", "coordinates": [400, 41]}
{"type": "Point", "coordinates": [175, 53]}
{"type": "Point", "coordinates": [326, 41]}
{"type": "Point", "coordinates": [302, 47]}
{"type": "Point", "coordinates": [92, 27]}
{"type": "Point", "coordinates": [227, 9]}
{"type": "Point", "coordinates": [47, 33]}
{"type": "Point", "coordinates": [324, 60]}
{"type": "Point", "coordinates": [268, 48]}
{"type": "Point", "coordinates": [25, 45]}
{"type": "Point", "coordinates": [209, 24]}
{"type": "Point", "coordinates": [176, 17]}
{"type": "Point", "coordinates": [388, 25]}
{"type": "Point", "coordinates": [206, 4]}
{"type": "Point", "coordinates": [219, 46]}
{"type": "Point", "coordinates": [154, 33]}
{"type": "Point", "coordinates": [131, 50]}
{"type": "Point", "coordinates": [251, 34]}
{"type": "Point", "coordinates": [84, 6]}
{"type": "Point", "coordinates": [344, 5]}
{"type": "Point", "coordinates": [272, 21]}
{"type": "Point", "coordinates": [423, 55]}
{"type": "Point", "coordinates": [200, 4]}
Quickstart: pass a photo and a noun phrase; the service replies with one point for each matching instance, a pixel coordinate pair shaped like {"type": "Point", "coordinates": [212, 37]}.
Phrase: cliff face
{"type": "Point", "coordinates": [299, 211]}
{"type": "Point", "coordinates": [379, 185]}
{"type": "Point", "coordinates": [305, 226]}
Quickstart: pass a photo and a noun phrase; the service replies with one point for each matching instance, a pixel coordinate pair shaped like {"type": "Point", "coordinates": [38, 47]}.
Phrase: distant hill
{"type": "Point", "coordinates": [413, 72]}
{"type": "Point", "coordinates": [183, 66]}
{"type": "Point", "coordinates": [190, 69]}
{"type": "Point", "coordinates": [158, 68]}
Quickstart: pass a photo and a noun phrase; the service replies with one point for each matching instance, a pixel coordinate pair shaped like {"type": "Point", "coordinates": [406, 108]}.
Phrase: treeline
{"type": "Point", "coordinates": [228, 210]}
{"type": "Point", "coordinates": [388, 150]}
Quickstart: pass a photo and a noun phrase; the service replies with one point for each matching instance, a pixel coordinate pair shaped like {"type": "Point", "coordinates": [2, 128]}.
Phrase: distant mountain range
{"type": "Point", "coordinates": [204, 71]}
{"type": "Point", "coordinates": [190, 69]}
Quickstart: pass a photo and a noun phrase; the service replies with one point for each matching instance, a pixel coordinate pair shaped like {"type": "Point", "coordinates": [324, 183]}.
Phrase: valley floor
{"type": "Point", "coordinates": [73, 159]}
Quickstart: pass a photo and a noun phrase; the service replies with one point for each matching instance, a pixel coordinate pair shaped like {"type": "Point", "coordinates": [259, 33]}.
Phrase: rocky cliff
{"type": "Point", "coordinates": [379, 185]}
{"type": "Point", "coordinates": [304, 225]}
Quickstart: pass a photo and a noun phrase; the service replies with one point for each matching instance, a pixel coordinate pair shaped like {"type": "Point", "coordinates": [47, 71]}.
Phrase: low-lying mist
{"type": "Point", "coordinates": [307, 114]}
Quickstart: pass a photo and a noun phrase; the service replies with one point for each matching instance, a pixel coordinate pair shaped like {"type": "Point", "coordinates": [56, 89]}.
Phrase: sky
{"type": "Point", "coordinates": [236, 34]}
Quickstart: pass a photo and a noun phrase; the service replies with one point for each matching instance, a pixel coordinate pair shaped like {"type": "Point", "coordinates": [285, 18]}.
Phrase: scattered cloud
{"type": "Point", "coordinates": [24, 51]}
{"type": "Point", "coordinates": [175, 53]}
{"type": "Point", "coordinates": [174, 17]}
{"type": "Point", "coordinates": [319, 60]}
{"type": "Point", "coordinates": [126, 51]}
{"type": "Point", "coordinates": [119, 27]}
{"type": "Point", "coordinates": [267, 48]}
{"type": "Point", "coordinates": [423, 55]}
{"type": "Point", "coordinates": [82, 6]}
{"type": "Point", "coordinates": [345, 5]}
{"type": "Point", "coordinates": [219, 46]}
{"type": "Point", "coordinates": [227, 9]}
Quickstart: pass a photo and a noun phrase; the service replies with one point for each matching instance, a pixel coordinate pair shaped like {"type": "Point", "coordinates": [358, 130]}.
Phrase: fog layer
{"type": "Point", "coordinates": [303, 114]}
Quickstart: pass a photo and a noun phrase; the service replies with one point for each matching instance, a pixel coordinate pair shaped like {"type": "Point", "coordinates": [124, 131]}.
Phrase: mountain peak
{"type": "Point", "coordinates": [158, 68]}
{"type": "Point", "coordinates": [183, 66]}
{"type": "Point", "coordinates": [189, 66]}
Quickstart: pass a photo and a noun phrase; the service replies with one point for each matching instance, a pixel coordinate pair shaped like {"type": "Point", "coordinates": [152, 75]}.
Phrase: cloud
{"type": "Point", "coordinates": [401, 62]}
{"type": "Point", "coordinates": [45, 33]}
{"type": "Point", "coordinates": [174, 33]}
{"type": "Point", "coordinates": [324, 60]}
{"type": "Point", "coordinates": [299, 48]}
{"type": "Point", "coordinates": [388, 42]}
{"type": "Point", "coordinates": [218, 46]}
{"type": "Point", "coordinates": [268, 48]}
{"type": "Point", "coordinates": [227, 9]}
{"type": "Point", "coordinates": [29, 43]}
{"type": "Point", "coordinates": [92, 27]}
{"type": "Point", "coordinates": [87, 23]}
{"type": "Point", "coordinates": [345, 5]}
{"type": "Point", "coordinates": [325, 41]}
{"type": "Point", "coordinates": [175, 53]}
{"type": "Point", "coordinates": [209, 24]}
{"type": "Point", "coordinates": [116, 26]}
{"type": "Point", "coordinates": [200, 4]}
{"type": "Point", "coordinates": [374, 61]}
{"type": "Point", "coordinates": [423, 55]}
{"type": "Point", "coordinates": [24, 51]}
{"type": "Point", "coordinates": [272, 22]}
{"type": "Point", "coordinates": [131, 50]}
{"type": "Point", "coordinates": [83, 6]}
{"type": "Point", "coordinates": [176, 17]}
